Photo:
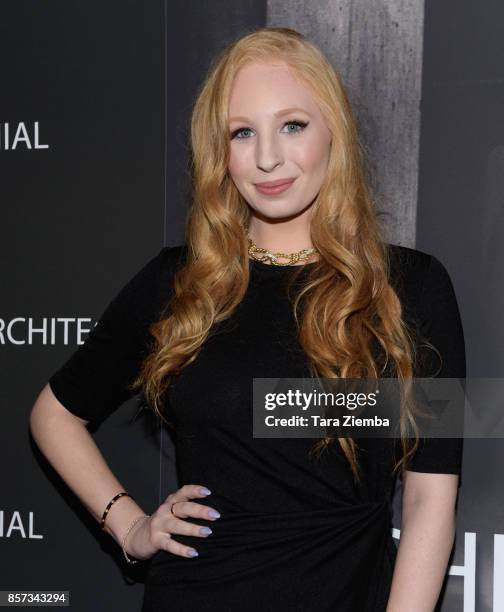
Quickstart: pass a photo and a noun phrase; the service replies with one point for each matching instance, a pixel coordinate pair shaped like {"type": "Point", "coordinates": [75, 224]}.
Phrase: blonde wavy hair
{"type": "Point", "coordinates": [346, 300]}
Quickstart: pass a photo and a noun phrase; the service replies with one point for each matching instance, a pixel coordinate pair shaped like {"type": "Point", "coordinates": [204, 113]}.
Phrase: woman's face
{"type": "Point", "coordinates": [277, 132]}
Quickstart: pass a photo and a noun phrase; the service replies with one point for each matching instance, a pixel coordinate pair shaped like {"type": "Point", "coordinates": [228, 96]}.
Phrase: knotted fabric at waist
{"type": "Point", "coordinates": [247, 543]}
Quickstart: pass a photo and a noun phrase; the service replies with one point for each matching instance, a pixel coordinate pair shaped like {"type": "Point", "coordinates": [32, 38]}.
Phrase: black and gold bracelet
{"type": "Point", "coordinates": [109, 505]}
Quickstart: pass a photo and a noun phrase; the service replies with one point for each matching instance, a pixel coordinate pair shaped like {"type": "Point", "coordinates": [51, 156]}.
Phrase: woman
{"type": "Point", "coordinates": [292, 280]}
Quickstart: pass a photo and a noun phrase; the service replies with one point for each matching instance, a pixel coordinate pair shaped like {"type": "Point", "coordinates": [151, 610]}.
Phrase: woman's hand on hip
{"type": "Point", "coordinates": [155, 533]}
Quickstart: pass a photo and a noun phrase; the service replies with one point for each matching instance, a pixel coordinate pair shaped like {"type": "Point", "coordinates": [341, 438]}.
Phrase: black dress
{"type": "Point", "coordinates": [295, 532]}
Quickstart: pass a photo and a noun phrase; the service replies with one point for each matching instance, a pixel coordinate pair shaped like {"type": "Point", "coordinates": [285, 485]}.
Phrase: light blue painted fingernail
{"type": "Point", "coordinates": [193, 553]}
{"type": "Point", "coordinates": [205, 491]}
{"type": "Point", "coordinates": [214, 514]}
{"type": "Point", "coordinates": [205, 531]}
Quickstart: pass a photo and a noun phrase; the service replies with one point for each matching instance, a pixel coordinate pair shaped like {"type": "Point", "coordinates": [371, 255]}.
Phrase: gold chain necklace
{"type": "Point", "coordinates": [260, 254]}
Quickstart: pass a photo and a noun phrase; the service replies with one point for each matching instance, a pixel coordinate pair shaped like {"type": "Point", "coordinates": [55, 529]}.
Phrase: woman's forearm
{"type": "Point", "coordinates": [427, 535]}
{"type": "Point", "coordinates": [70, 449]}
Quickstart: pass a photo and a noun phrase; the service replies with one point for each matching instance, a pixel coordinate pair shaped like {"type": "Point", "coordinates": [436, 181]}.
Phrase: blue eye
{"type": "Point", "coordinates": [300, 125]}
{"type": "Point", "coordinates": [239, 131]}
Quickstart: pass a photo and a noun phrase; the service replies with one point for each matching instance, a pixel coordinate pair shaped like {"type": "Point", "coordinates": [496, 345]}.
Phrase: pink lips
{"type": "Point", "coordinates": [274, 187]}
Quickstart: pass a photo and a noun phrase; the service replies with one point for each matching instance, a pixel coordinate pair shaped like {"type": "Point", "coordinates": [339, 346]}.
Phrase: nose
{"type": "Point", "coordinates": [268, 154]}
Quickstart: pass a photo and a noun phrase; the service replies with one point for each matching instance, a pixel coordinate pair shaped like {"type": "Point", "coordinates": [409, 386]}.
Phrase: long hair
{"type": "Point", "coordinates": [346, 301]}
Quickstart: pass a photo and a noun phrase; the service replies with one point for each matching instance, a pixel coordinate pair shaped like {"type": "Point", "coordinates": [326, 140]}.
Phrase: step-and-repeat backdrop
{"type": "Point", "coordinates": [94, 109]}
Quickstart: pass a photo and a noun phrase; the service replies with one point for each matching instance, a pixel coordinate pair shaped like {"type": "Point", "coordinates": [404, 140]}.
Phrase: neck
{"type": "Point", "coordinates": [285, 237]}
{"type": "Point", "coordinates": [293, 251]}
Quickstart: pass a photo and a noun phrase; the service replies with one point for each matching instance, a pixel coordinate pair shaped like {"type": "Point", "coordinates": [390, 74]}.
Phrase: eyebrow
{"type": "Point", "coordinates": [284, 111]}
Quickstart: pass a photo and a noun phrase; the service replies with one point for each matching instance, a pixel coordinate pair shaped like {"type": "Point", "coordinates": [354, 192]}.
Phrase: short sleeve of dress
{"type": "Point", "coordinates": [94, 381]}
{"type": "Point", "coordinates": [441, 325]}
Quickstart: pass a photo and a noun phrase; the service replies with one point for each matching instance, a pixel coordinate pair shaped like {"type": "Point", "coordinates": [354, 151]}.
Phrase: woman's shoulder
{"type": "Point", "coordinates": [172, 256]}
{"type": "Point", "coordinates": [411, 269]}
{"type": "Point", "coordinates": [163, 266]}
{"type": "Point", "coordinates": [147, 291]}
{"type": "Point", "coordinates": [419, 279]}
{"type": "Point", "coordinates": [413, 272]}
{"type": "Point", "coordinates": [408, 260]}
